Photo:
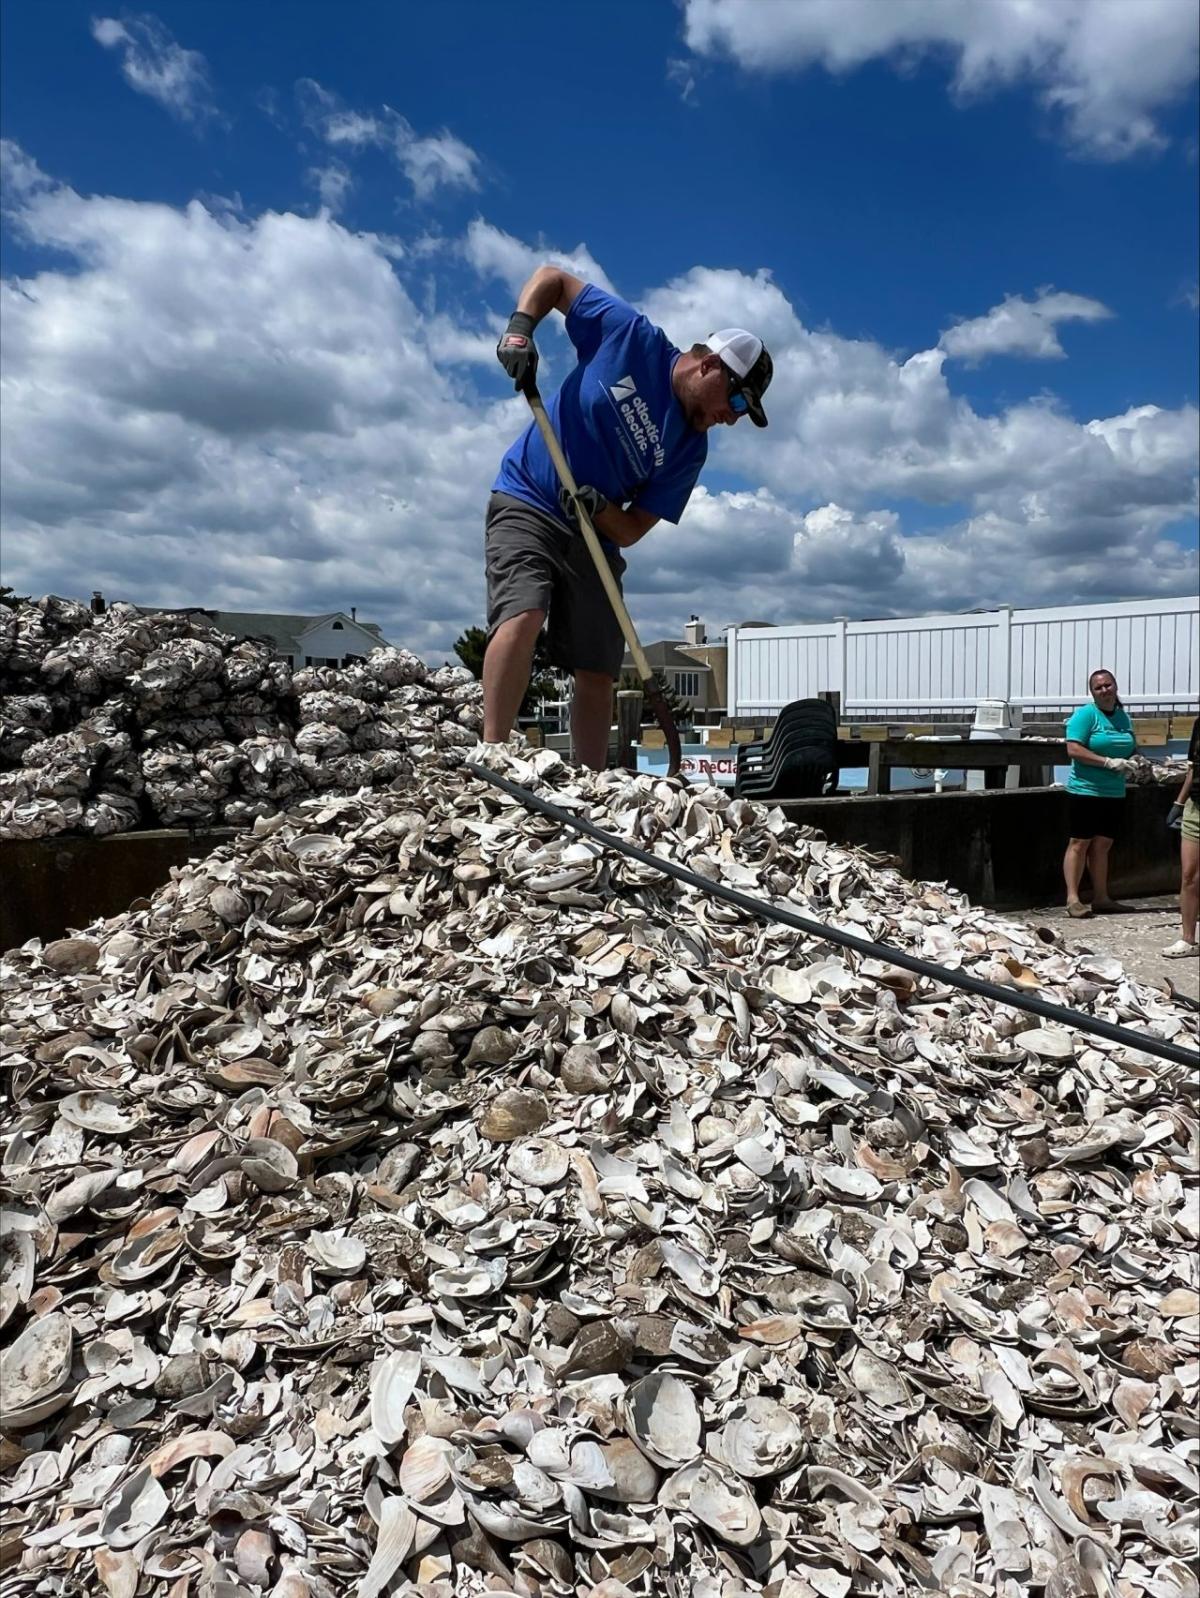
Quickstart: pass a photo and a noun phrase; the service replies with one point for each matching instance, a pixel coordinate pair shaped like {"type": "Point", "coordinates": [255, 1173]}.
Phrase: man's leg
{"type": "Point", "coordinates": [591, 718]}
{"type": "Point", "coordinates": [506, 667]}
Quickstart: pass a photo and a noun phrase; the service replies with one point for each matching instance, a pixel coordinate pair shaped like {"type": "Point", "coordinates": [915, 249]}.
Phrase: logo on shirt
{"type": "Point", "coordinates": [642, 437]}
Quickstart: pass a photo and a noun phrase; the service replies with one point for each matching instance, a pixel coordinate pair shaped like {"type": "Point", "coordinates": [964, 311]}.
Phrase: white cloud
{"type": "Point", "coordinates": [251, 411]}
{"type": "Point", "coordinates": [441, 161]}
{"type": "Point", "coordinates": [333, 182]}
{"type": "Point", "coordinates": [1105, 67]}
{"type": "Point", "coordinates": [833, 548]}
{"type": "Point", "coordinates": [429, 161]}
{"type": "Point", "coordinates": [20, 176]}
{"type": "Point", "coordinates": [154, 64]}
{"type": "Point", "coordinates": [1021, 327]}
{"type": "Point", "coordinates": [255, 412]}
{"type": "Point", "coordinates": [496, 254]}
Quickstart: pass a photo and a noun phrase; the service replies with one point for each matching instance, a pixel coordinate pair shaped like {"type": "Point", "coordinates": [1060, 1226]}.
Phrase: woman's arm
{"type": "Point", "coordinates": [1086, 756]}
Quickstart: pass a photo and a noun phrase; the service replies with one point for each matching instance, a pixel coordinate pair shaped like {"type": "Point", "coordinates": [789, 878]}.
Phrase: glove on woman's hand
{"type": "Point", "coordinates": [1115, 763]}
{"type": "Point", "coordinates": [1175, 818]}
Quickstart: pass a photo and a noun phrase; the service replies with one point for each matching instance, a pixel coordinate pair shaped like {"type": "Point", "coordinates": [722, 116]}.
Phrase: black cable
{"type": "Point", "coordinates": [1016, 998]}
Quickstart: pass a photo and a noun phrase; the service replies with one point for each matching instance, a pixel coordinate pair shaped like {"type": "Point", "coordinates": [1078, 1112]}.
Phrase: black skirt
{"type": "Point", "coordinates": [1092, 817]}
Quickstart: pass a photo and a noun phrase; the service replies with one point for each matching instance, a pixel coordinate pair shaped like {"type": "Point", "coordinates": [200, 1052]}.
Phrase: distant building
{"type": "Point", "coordinates": [692, 668]}
{"type": "Point", "coordinates": [333, 639]}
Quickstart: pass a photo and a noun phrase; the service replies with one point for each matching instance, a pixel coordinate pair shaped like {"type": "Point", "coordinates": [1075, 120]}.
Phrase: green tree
{"type": "Point", "coordinates": [471, 645]}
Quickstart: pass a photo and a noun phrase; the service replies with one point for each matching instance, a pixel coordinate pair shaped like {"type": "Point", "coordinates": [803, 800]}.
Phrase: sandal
{"type": "Point", "coordinates": [1181, 950]}
{"type": "Point", "coordinates": [1079, 911]}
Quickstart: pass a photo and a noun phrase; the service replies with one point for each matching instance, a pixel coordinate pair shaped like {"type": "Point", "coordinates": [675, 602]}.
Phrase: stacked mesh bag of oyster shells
{"type": "Point", "coordinates": [123, 720]}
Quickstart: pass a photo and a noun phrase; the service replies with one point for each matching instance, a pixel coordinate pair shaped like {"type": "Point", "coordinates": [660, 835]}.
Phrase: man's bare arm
{"type": "Point", "coordinates": [624, 527]}
{"type": "Point", "coordinates": [549, 289]}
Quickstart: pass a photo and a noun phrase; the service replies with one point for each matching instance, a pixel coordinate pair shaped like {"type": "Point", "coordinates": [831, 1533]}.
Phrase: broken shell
{"type": "Point", "coordinates": [69, 956]}
{"type": "Point", "coordinates": [473, 1279]}
{"type": "Point", "coordinates": [1049, 1043]}
{"type": "Point", "coordinates": [662, 1417]}
{"type": "Point", "coordinates": [393, 1381]}
{"type": "Point", "coordinates": [761, 1440]}
{"type": "Point", "coordinates": [717, 1498]}
{"type": "Point", "coordinates": [634, 1478]}
{"type": "Point", "coordinates": [269, 1165]}
{"type": "Point", "coordinates": [96, 1112]}
{"type": "Point", "coordinates": [35, 1365]}
{"type": "Point", "coordinates": [539, 1162]}
{"type": "Point", "coordinates": [491, 1045]}
{"type": "Point", "coordinates": [425, 1468]}
{"type": "Point", "coordinates": [512, 1114]}
{"type": "Point", "coordinates": [583, 1071]}
{"type": "Point", "coordinates": [134, 1511]}
{"type": "Point", "coordinates": [848, 1182]}
{"type": "Point", "coordinates": [335, 1255]}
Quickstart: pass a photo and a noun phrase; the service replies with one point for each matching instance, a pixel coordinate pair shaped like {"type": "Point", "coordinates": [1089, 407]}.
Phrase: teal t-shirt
{"type": "Point", "coordinates": [1103, 735]}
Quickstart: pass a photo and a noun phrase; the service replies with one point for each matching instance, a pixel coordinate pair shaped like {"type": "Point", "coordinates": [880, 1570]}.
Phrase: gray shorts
{"type": "Point", "coordinates": [534, 563]}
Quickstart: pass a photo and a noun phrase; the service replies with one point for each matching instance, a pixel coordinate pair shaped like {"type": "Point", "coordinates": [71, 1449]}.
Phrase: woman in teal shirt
{"type": "Point", "coordinates": [1100, 743]}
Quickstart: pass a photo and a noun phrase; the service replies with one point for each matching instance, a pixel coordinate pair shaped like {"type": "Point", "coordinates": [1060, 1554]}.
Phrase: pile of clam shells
{"type": "Point", "coordinates": [417, 1199]}
{"type": "Point", "coordinates": [125, 720]}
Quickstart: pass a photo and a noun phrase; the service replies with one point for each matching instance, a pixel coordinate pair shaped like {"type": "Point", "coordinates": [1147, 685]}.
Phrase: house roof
{"type": "Point", "coordinates": [283, 629]}
{"type": "Point", "coordinates": [667, 655]}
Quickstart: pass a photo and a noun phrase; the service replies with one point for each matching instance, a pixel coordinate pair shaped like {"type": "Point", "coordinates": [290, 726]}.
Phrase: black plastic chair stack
{"type": "Point", "coordinates": [798, 761]}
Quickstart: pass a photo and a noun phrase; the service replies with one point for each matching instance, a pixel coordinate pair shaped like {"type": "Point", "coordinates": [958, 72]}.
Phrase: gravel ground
{"type": "Point", "coordinates": [1135, 939]}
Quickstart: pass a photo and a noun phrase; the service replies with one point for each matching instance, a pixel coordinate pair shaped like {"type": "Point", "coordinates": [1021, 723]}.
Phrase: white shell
{"type": "Point", "coordinates": [393, 1380]}
{"type": "Point", "coordinates": [538, 1162]}
{"type": "Point", "coordinates": [425, 1468]}
{"type": "Point", "coordinates": [764, 1439]}
{"type": "Point", "coordinates": [335, 1255]}
{"type": "Point", "coordinates": [662, 1417]}
{"type": "Point", "coordinates": [96, 1112]}
{"type": "Point", "coordinates": [37, 1363]}
{"type": "Point", "coordinates": [717, 1498]}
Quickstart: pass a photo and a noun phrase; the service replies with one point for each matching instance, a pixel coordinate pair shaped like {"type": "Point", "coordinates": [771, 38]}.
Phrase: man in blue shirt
{"type": "Point", "coordinates": [632, 418]}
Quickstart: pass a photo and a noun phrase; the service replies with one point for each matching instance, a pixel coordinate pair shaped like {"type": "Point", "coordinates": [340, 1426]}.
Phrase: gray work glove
{"type": "Point", "coordinates": [1175, 818]}
{"type": "Point", "coordinates": [517, 352]}
{"type": "Point", "coordinates": [592, 500]}
{"type": "Point", "coordinates": [1115, 763]}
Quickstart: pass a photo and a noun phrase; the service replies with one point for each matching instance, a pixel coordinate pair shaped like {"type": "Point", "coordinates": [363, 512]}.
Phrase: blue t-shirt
{"type": "Point", "coordinates": [1103, 735]}
{"type": "Point", "coordinates": [616, 416]}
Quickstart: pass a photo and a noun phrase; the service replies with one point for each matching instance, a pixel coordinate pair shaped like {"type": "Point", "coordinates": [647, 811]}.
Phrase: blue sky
{"type": "Point", "coordinates": [255, 258]}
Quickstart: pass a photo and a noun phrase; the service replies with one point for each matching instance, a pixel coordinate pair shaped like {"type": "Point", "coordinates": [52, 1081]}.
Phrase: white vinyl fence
{"type": "Point", "coordinates": [938, 665]}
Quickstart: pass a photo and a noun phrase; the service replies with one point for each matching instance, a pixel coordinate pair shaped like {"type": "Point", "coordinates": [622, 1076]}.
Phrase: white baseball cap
{"type": "Point", "coordinates": [746, 357]}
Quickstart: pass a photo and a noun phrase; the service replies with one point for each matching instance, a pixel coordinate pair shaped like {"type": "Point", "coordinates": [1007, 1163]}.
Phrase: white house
{"type": "Point", "coordinates": [328, 640]}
